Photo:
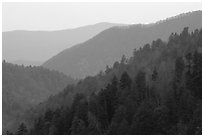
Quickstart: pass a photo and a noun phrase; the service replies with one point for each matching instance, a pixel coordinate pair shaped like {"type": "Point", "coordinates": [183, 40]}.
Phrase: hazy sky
{"type": "Point", "coordinates": [55, 16]}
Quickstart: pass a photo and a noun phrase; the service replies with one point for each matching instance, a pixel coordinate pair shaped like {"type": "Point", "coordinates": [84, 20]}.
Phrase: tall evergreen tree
{"type": "Point", "coordinates": [177, 84]}
{"type": "Point", "coordinates": [194, 81]}
{"type": "Point", "coordinates": [140, 81]}
{"type": "Point", "coordinates": [123, 60]}
{"type": "Point", "coordinates": [154, 74]}
{"type": "Point", "coordinates": [125, 81]}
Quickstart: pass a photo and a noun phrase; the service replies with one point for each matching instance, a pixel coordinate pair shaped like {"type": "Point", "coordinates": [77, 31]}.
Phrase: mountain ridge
{"type": "Point", "coordinates": [89, 57]}
{"type": "Point", "coordinates": [41, 45]}
{"type": "Point", "coordinates": [74, 28]}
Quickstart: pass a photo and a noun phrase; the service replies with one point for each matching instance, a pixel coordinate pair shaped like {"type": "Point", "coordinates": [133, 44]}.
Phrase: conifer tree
{"type": "Point", "coordinates": [140, 81]}
{"type": "Point", "coordinates": [125, 81]}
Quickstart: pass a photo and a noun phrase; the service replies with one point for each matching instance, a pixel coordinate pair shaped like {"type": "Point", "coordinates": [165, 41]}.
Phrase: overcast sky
{"type": "Point", "coordinates": [56, 16]}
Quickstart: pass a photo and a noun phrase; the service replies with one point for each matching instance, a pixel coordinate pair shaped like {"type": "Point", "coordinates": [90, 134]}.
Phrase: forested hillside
{"type": "Point", "coordinates": [158, 90]}
{"type": "Point", "coordinates": [23, 87]}
{"type": "Point", "coordinates": [91, 56]}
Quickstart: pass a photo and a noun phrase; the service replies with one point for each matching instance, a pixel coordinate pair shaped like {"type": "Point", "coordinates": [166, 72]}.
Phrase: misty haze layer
{"type": "Point", "coordinates": [35, 47]}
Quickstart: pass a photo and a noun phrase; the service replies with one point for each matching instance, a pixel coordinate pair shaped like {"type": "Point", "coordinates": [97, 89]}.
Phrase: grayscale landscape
{"type": "Point", "coordinates": [110, 77]}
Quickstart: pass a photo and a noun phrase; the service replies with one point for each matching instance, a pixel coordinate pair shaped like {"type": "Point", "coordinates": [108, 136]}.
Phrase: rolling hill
{"type": "Point", "coordinates": [23, 87]}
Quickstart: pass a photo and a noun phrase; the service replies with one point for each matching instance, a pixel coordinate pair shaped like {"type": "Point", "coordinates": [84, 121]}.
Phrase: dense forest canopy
{"type": "Point", "coordinates": [156, 91]}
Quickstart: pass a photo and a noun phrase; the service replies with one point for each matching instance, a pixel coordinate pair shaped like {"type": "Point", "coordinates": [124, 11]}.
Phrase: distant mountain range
{"type": "Point", "coordinates": [89, 57]}
{"type": "Point", "coordinates": [37, 46]}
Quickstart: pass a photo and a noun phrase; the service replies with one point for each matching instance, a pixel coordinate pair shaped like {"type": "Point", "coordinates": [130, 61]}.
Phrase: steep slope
{"type": "Point", "coordinates": [157, 90]}
{"type": "Point", "coordinates": [90, 57]}
{"type": "Point", "coordinates": [23, 87]}
{"type": "Point", "coordinates": [41, 45]}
